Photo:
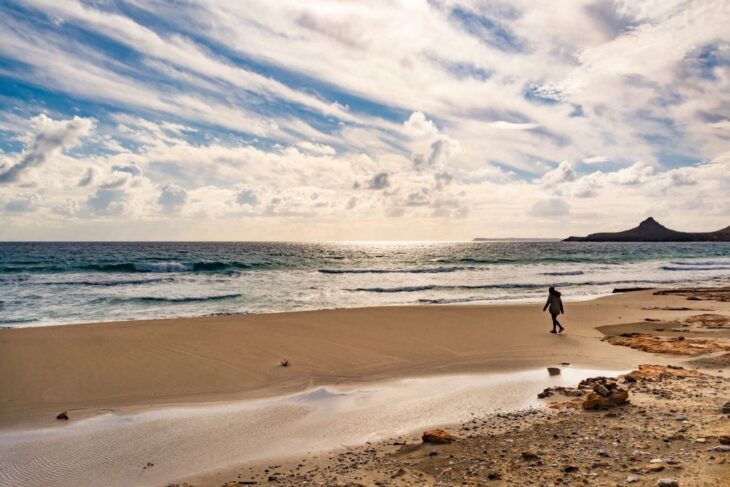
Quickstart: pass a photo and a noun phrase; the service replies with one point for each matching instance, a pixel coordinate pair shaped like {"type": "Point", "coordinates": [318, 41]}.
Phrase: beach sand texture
{"type": "Point", "coordinates": [109, 365]}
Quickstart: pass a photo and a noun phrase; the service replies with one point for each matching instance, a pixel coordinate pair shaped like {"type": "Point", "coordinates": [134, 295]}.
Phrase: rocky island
{"type": "Point", "coordinates": [652, 231]}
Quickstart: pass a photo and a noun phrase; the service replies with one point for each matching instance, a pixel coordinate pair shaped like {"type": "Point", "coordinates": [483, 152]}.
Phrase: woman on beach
{"type": "Point", "coordinates": [556, 307]}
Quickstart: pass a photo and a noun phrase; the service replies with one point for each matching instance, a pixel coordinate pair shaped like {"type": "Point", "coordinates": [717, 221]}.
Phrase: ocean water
{"type": "Point", "coordinates": [57, 283]}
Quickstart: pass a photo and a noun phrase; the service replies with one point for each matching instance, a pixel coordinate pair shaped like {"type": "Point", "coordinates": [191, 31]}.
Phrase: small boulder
{"type": "Point", "coordinates": [284, 363]}
{"type": "Point", "coordinates": [667, 483]}
{"type": "Point", "coordinates": [437, 436]}
{"type": "Point", "coordinates": [553, 371]}
{"type": "Point", "coordinates": [597, 401]}
{"type": "Point", "coordinates": [62, 416]}
{"type": "Point", "coordinates": [724, 439]}
{"type": "Point", "coordinates": [529, 455]}
{"type": "Point", "coordinates": [546, 393]}
{"type": "Point", "coordinates": [726, 408]}
{"type": "Point", "coordinates": [602, 390]}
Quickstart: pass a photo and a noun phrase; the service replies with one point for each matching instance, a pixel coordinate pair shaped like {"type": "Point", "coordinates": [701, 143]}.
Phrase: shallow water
{"type": "Point", "coordinates": [52, 283]}
{"type": "Point", "coordinates": [112, 449]}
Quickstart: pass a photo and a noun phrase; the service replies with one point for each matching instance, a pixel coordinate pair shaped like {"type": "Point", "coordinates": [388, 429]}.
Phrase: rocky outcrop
{"type": "Point", "coordinates": [437, 437]}
{"type": "Point", "coordinates": [605, 395]}
{"type": "Point", "coordinates": [660, 372]}
{"type": "Point", "coordinates": [669, 345]}
{"type": "Point", "coordinates": [651, 231]}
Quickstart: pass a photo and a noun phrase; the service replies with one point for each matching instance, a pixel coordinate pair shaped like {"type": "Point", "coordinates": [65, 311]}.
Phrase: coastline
{"type": "Point", "coordinates": [85, 367]}
{"type": "Point", "coordinates": [139, 367]}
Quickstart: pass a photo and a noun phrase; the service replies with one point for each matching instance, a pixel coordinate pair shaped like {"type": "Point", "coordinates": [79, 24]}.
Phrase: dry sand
{"type": "Point", "coordinates": [128, 366]}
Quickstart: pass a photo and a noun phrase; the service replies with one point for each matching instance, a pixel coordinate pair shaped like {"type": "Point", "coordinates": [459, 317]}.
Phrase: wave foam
{"type": "Point", "coordinates": [425, 270]}
{"type": "Point", "coordinates": [162, 299]}
{"type": "Point", "coordinates": [695, 268]}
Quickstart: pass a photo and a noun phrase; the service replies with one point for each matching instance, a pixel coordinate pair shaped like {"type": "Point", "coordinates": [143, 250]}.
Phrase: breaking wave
{"type": "Point", "coordinates": [563, 273]}
{"type": "Point", "coordinates": [424, 270]}
{"type": "Point", "coordinates": [162, 299]}
{"type": "Point", "coordinates": [157, 267]}
{"type": "Point", "coordinates": [695, 268]}
{"type": "Point", "coordinates": [439, 287]}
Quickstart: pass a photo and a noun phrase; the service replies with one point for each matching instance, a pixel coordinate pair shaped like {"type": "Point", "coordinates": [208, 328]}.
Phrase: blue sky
{"type": "Point", "coordinates": [144, 119]}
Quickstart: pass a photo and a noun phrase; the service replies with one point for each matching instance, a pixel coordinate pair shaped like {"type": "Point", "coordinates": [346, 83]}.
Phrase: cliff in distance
{"type": "Point", "coordinates": [651, 231]}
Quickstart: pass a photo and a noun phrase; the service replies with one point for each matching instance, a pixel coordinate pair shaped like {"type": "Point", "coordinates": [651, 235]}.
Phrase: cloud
{"type": "Point", "coordinates": [418, 125]}
{"type": "Point", "coordinates": [49, 137]}
{"type": "Point", "coordinates": [379, 181]}
{"type": "Point", "coordinates": [440, 151]}
{"type": "Point", "coordinates": [88, 177]}
{"type": "Point", "coordinates": [132, 169]}
{"type": "Point", "coordinates": [442, 179]}
{"type": "Point", "coordinates": [564, 173]}
{"type": "Point", "coordinates": [107, 201]}
{"type": "Point", "coordinates": [550, 208]}
{"type": "Point", "coordinates": [503, 125]}
{"type": "Point", "coordinates": [115, 182]}
{"type": "Point", "coordinates": [721, 125]}
{"type": "Point", "coordinates": [21, 204]}
{"type": "Point", "coordinates": [421, 197]}
{"type": "Point", "coordinates": [320, 149]}
{"type": "Point", "coordinates": [172, 198]}
{"type": "Point", "coordinates": [246, 196]}
{"type": "Point", "coordinates": [635, 174]}
{"type": "Point", "coordinates": [477, 110]}
{"type": "Point", "coordinates": [595, 160]}
{"type": "Point", "coordinates": [431, 149]}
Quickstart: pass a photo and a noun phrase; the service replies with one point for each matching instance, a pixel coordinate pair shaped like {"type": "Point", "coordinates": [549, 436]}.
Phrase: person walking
{"type": "Point", "coordinates": [556, 307]}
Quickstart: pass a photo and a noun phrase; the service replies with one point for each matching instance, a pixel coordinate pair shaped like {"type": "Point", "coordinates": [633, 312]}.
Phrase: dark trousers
{"type": "Point", "coordinates": [555, 321]}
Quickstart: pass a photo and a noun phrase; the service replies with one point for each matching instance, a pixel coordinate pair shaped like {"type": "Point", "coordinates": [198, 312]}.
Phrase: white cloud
{"type": "Point", "coordinates": [321, 149]}
{"type": "Point", "coordinates": [721, 125]}
{"type": "Point", "coordinates": [635, 174]}
{"type": "Point", "coordinates": [550, 208]}
{"type": "Point", "coordinates": [246, 196]}
{"type": "Point", "coordinates": [595, 160]}
{"type": "Point", "coordinates": [379, 181]}
{"type": "Point", "coordinates": [562, 174]}
{"type": "Point", "coordinates": [21, 204]}
{"type": "Point", "coordinates": [88, 177]}
{"type": "Point", "coordinates": [48, 138]}
{"type": "Point", "coordinates": [503, 125]}
{"type": "Point", "coordinates": [418, 125]}
{"type": "Point", "coordinates": [172, 198]}
{"type": "Point", "coordinates": [132, 169]}
{"type": "Point", "coordinates": [483, 130]}
{"type": "Point", "coordinates": [107, 201]}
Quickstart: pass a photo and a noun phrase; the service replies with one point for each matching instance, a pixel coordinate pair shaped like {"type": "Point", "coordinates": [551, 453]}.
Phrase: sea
{"type": "Point", "coordinates": [64, 282]}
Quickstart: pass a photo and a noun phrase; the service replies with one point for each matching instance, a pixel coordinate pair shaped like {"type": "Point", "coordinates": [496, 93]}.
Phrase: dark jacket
{"type": "Point", "coordinates": [555, 304]}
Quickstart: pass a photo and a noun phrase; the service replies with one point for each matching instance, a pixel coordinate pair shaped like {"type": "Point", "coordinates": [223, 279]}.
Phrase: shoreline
{"type": "Point", "coordinates": [479, 302]}
{"type": "Point", "coordinates": [125, 370]}
{"type": "Point", "coordinates": [98, 366]}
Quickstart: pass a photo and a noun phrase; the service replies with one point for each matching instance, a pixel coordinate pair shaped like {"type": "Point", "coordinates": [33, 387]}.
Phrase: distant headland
{"type": "Point", "coordinates": [652, 231]}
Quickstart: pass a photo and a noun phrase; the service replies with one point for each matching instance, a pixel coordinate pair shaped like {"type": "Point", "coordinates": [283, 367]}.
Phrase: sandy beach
{"type": "Point", "coordinates": [132, 368]}
{"type": "Point", "coordinates": [81, 368]}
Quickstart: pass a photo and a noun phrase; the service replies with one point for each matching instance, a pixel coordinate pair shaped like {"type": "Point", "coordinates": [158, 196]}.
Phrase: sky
{"type": "Point", "coordinates": [353, 120]}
